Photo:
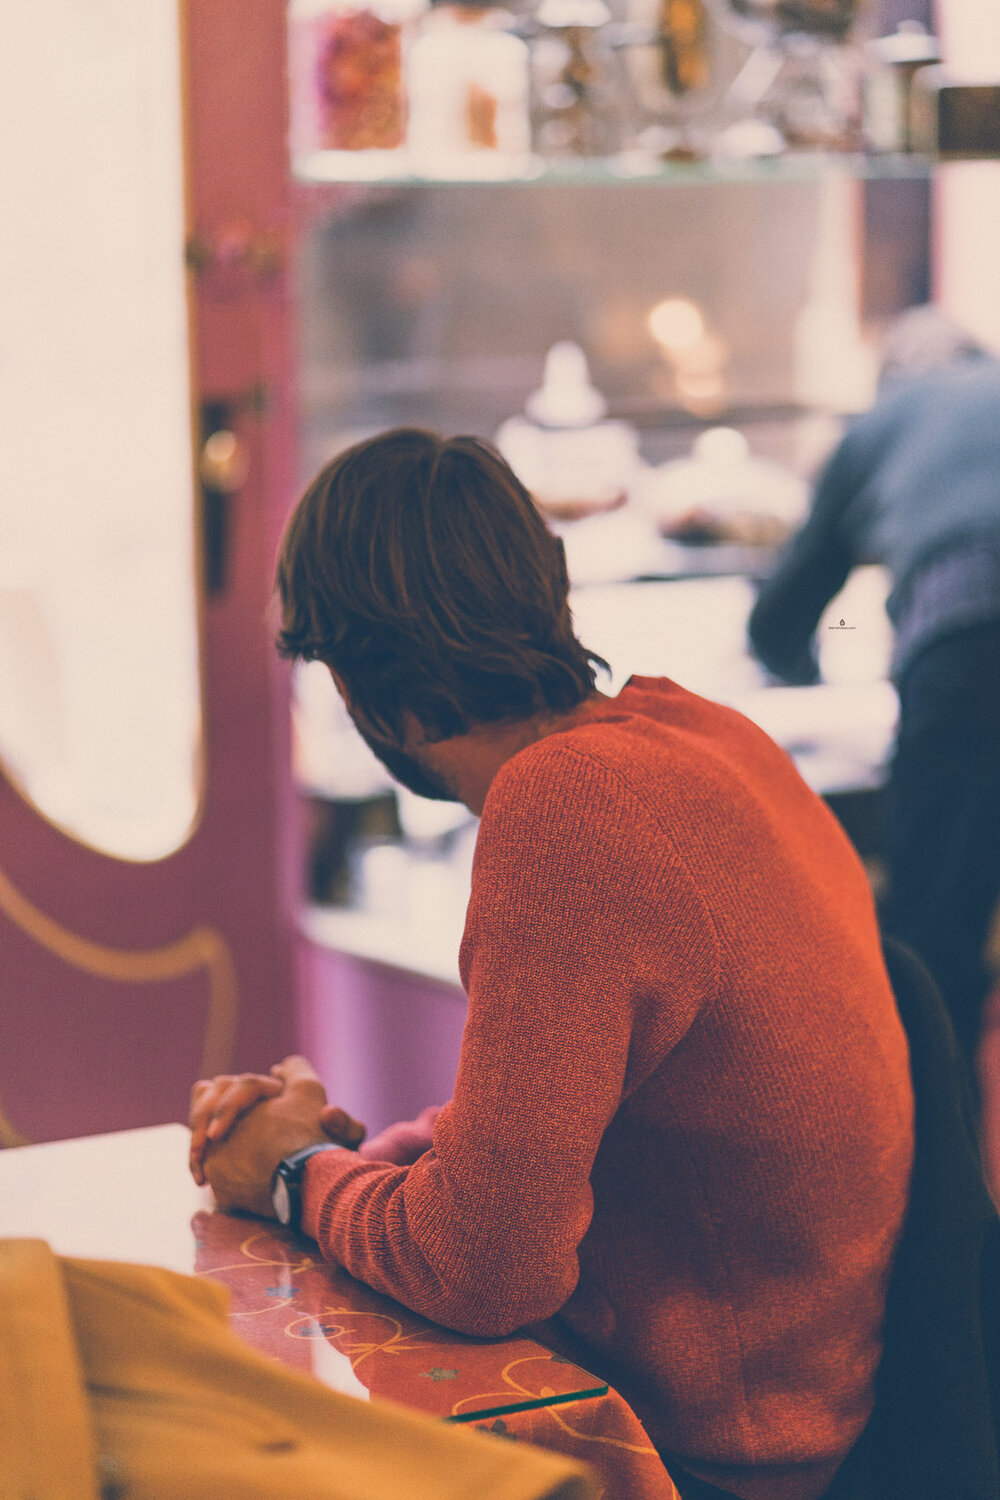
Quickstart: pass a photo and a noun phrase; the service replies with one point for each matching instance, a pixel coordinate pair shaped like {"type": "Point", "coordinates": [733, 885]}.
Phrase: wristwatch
{"type": "Point", "coordinates": [286, 1184]}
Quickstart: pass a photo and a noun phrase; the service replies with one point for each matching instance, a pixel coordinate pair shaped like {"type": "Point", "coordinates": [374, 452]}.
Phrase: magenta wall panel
{"type": "Point", "coordinates": [119, 982]}
{"type": "Point", "coordinates": [385, 1042]}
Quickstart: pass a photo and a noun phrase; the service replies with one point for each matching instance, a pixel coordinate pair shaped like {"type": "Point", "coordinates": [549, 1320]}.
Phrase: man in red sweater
{"type": "Point", "coordinates": [682, 1123]}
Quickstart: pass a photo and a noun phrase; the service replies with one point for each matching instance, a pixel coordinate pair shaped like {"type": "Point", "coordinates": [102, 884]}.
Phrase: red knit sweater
{"type": "Point", "coordinates": [683, 1116]}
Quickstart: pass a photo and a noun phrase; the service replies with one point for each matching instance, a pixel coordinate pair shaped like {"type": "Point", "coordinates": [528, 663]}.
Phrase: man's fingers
{"type": "Point", "coordinates": [341, 1127]}
{"type": "Point", "coordinates": [295, 1069]}
{"type": "Point", "coordinates": [230, 1094]}
{"type": "Point", "coordinates": [201, 1115]}
{"type": "Point", "coordinates": [204, 1097]}
{"type": "Point", "coordinates": [298, 1073]}
{"type": "Point", "coordinates": [199, 1140]}
{"type": "Point", "coordinates": [203, 1088]}
{"type": "Point", "coordinates": [235, 1100]}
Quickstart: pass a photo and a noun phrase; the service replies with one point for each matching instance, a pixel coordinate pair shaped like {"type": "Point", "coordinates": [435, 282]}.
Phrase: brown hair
{"type": "Point", "coordinates": [419, 569]}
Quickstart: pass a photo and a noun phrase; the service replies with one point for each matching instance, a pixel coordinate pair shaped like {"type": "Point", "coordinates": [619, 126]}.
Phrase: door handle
{"type": "Point", "coordinates": [223, 465]}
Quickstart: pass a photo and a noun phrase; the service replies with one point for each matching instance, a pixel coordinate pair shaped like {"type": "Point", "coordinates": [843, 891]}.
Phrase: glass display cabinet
{"type": "Point", "coordinates": [725, 274]}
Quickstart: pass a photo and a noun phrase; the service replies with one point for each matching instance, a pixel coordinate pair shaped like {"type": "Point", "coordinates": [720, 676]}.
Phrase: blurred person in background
{"type": "Point", "coordinates": [681, 1130]}
{"type": "Point", "coordinates": [915, 486]}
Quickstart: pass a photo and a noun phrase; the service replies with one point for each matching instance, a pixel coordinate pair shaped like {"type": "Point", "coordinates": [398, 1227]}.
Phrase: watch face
{"type": "Point", "coordinates": [281, 1200]}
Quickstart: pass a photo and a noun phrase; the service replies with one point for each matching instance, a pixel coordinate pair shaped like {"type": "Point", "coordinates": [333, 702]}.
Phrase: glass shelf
{"type": "Point", "coordinates": [390, 169]}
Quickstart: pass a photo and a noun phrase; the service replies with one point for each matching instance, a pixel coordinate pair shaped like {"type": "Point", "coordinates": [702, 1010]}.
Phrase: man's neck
{"type": "Point", "coordinates": [468, 763]}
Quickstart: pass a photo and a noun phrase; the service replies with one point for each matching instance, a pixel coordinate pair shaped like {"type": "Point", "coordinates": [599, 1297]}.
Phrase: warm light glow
{"type": "Point", "coordinates": [703, 394]}
{"type": "Point", "coordinates": [708, 355]}
{"type": "Point", "coordinates": [677, 324]}
{"type": "Point", "coordinates": [699, 374]}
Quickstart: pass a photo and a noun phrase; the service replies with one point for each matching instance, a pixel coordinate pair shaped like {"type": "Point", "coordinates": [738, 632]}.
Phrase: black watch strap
{"type": "Point", "coordinates": [286, 1184]}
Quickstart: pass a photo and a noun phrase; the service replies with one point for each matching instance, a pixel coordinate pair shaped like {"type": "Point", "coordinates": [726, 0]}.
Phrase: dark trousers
{"type": "Point", "coordinates": [942, 817]}
{"type": "Point", "coordinates": [696, 1489]}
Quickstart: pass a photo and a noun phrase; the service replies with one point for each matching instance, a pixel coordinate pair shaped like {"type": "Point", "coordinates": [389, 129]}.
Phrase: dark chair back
{"type": "Point", "coordinates": [935, 1430]}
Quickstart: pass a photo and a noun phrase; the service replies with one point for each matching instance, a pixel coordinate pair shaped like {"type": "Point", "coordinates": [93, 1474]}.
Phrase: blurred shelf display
{"type": "Point", "coordinates": [392, 169]}
{"type": "Point", "coordinates": [667, 92]}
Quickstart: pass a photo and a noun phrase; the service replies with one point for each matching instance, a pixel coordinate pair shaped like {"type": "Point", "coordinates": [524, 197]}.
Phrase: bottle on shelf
{"type": "Point", "coordinates": [894, 62]}
{"type": "Point", "coordinates": [669, 73]}
{"type": "Point", "coordinates": [468, 82]}
{"type": "Point", "coordinates": [577, 98]}
{"type": "Point", "coordinates": [801, 84]}
{"type": "Point", "coordinates": [683, 34]}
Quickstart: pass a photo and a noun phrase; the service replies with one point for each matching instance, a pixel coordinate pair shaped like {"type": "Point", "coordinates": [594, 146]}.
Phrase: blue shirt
{"type": "Point", "coordinates": [914, 485]}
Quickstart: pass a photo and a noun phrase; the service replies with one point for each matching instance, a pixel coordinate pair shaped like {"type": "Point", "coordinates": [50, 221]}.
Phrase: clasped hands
{"type": "Point", "coordinates": [243, 1125]}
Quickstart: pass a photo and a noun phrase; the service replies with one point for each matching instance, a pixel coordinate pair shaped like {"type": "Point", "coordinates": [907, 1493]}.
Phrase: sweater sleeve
{"type": "Point", "coordinates": [574, 979]}
{"type": "Point", "coordinates": [811, 570]}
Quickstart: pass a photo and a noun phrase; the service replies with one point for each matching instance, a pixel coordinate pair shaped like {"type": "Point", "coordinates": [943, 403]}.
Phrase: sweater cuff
{"type": "Point", "coordinates": [322, 1172]}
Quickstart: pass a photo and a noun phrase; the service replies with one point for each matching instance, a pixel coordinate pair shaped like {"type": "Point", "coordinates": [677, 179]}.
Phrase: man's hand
{"type": "Point", "coordinates": [217, 1103]}
{"type": "Point", "coordinates": [240, 1168]}
{"type": "Point", "coordinates": [405, 1143]}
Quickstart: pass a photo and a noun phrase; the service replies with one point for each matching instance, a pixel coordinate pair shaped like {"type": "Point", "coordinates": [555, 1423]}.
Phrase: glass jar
{"type": "Point", "coordinates": [348, 83]}
{"type": "Point", "coordinates": [468, 84]}
{"type": "Point", "coordinates": [668, 73]}
{"type": "Point", "coordinates": [894, 62]}
{"type": "Point", "coordinates": [576, 105]}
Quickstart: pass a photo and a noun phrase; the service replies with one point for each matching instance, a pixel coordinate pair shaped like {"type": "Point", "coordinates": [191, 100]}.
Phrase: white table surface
{"type": "Point", "coordinates": [127, 1196]}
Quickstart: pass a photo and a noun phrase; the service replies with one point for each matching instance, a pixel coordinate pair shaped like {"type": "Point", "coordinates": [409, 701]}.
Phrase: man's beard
{"type": "Point", "coordinates": [408, 771]}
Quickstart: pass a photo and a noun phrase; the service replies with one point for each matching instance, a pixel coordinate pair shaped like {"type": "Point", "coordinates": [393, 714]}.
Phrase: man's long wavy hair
{"type": "Point", "coordinates": [419, 569]}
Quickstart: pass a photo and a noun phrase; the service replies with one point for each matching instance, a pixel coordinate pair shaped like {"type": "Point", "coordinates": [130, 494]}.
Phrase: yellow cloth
{"type": "Point", "coordinates": [125, 1381]}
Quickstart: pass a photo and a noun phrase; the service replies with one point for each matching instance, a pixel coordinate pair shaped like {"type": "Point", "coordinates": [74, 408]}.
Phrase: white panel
{"type": "Point", "coordinates": [967, 194]}
{"type": "Point", "coordinates": [970, 32]}
{"type": "Point", "coordinates": [99, 701]}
